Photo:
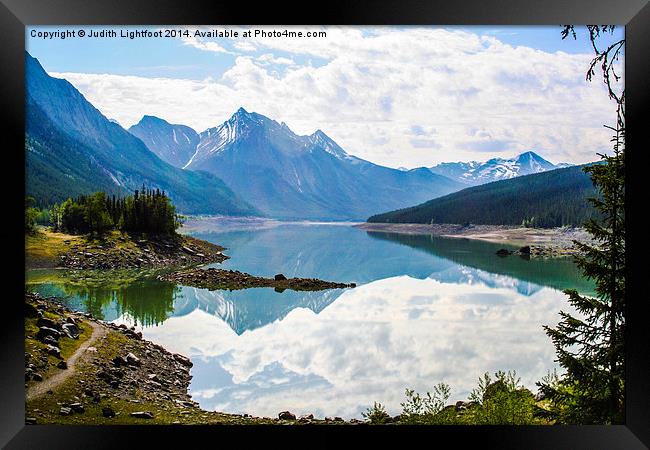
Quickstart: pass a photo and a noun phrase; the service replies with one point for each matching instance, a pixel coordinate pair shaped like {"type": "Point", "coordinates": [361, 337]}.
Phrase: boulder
{"type": "Point", "coordinates": [286, 415]}
{"type": "Point", "coordinates": [132, 360]}
{"type": "Point", "coordinates": [119, 361]}
{"type": "Point", "coordinates": [503, 252]}
{"type": "Point", "coordinates": [77, 407]}
{"type": "Point", "coordinates": [30, 310]}
{"type": "Point", "coordinates": [62, 365]}
{"type": "Point", "coordinates": [52, 350]}
{"type": "Point", "coordinates": [188, 250]}
{"type": "Point", "coordinates": [107, 411]}
{"type": "Point", "coordinates": [70, 330]}
{"type": "Point", "coordinates": [525, 250]}
{"type": "Point", "coordinates": [50, 340]}
{"type": "Point", "coordinates": [183, 360]}
{"type": "Point", "coordinates": [37, 377]}
{"type": "Point", "coordinates": [45, 322]}
{"type": "Point", "coordinates": [47, 331]}
{"type": "Point", "coordinates": [142, 414]}
{"type": "Point", "coordinates": [279, 277]}
{"type": "Point", "coordinates": [65, 411]}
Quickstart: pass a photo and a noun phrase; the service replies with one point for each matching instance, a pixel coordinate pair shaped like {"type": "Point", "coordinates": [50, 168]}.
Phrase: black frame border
{"type": "Point", "coordinates": [634, 14]}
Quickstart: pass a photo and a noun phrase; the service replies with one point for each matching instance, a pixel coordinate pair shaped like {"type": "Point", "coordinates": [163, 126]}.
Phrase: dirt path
{"type": "Point", "coordinates": [52, 382]}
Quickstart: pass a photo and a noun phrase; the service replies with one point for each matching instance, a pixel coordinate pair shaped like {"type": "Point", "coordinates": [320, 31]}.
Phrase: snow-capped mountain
{"type": "Point", "coordinates": [241, 126]}
{"type": "Point", "coordinates": [474, 172]}
{"type": "Point", "coordinates": [72, 149]}
{"type": "Point", "coordinates": [174, 144]}
{"type": "Point", "coordinates": [288, 176]}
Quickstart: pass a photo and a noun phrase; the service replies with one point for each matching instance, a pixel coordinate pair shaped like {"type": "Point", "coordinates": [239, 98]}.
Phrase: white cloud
{"type": "Point", "coordinates": [373, 87]}
{"type": "Point", "coordinates": [368, 346]}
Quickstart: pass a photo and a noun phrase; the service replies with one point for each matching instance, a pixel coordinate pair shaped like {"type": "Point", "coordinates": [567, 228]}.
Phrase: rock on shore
{"type": "Point", "coordinates": [232, 280]}
{"type": "Point", "coordinates": [121, 250]}
{"type": "Point", "coordinates": [124, 378]}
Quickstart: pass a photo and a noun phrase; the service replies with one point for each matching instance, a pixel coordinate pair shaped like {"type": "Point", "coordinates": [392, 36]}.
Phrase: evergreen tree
{"type": "Point", "coordinates": [30, 215]}
{"type": "Point", "coordinates": [147, 211]}
{"type": "Point", "coordinates": [591, 347]}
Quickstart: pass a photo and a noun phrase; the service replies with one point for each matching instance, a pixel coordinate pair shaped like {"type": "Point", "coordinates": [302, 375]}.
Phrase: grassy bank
{"type": "Point", "coordinates": [116, 249]}
{"type": "Point", "coordinates": [106, 386]}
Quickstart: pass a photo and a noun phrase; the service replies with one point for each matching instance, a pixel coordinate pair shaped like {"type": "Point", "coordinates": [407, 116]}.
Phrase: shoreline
{"type": "Point", "coordinates": [221, 279]}
{"type": "Point", "coordinates": [117, 377]}
{"type": "Point", "coordinates": [117, 250]}
{"type": "Point", "coordinates": [546, 242]}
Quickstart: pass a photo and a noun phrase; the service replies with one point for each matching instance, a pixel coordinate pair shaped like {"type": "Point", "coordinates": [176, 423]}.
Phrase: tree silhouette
{"type": "Point", "coordinates": [591, 347]}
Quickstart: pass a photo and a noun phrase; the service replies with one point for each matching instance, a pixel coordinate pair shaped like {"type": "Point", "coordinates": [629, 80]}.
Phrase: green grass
{"type": "Point", "coordinates": [45, 409]}
{"type": "Point", "coordinates": [67, 346]}
{"type": "Point", "coordinates": [43, 248]}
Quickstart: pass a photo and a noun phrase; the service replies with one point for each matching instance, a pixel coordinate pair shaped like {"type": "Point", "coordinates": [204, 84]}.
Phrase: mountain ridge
{"type": "Point", "coordinates": [548, 199]}
{"type": "Point", "coordinates": [290, 176]}
{"type": "Point", "coordinates": [72, 148]}
{"type": "Point", "coordinates": [474, 173]}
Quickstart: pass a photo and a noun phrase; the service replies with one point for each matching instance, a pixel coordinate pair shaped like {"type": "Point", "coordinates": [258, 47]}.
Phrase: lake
{"type": "Point", "coordinates": [425, 310]}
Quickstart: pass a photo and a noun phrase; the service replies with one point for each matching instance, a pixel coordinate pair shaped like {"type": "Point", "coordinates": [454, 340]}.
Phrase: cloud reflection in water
{"type": "Point", "coordinates": [370, 344]}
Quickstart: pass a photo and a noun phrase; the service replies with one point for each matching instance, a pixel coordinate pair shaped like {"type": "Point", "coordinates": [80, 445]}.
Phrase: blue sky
{"type": "Point", "coordinates": [171, 58]}
{"type": "Point", "coordinates": [398, 96]}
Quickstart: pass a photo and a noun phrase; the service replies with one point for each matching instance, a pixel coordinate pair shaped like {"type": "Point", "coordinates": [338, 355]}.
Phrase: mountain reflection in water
{"type": "Point", "coordinates": [426, 309]}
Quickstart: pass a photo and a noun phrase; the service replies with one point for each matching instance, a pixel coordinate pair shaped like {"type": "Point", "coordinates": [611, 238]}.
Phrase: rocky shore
{"type": "Point", "coordinates": [542, 242]}
{"type": "Point", "coordinates": [117, 377]}
{"type": "Point", "coordinates": [214, 279]}
{"type": "Point", "coordinates": [117, 250]}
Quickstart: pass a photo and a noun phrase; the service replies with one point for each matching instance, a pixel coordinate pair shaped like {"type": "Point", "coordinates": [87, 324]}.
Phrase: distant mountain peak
{"type": "Point", "coordinates": [147, 119]}
{"type": "Point", "coordinates": [241, 115]}
{"type": "Point", "coordinates": [172, 143]}
{"type": "Point", "coordinates": [475, 172]}
{"type": "Point", "coordinates": [322, 140]}
{"type": "Point", "coordinates": [528, 156]}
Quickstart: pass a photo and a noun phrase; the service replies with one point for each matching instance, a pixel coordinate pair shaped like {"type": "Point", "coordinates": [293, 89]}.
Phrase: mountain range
{"type": "Point", "coordinates": [473, 173]}
{"type": "Point", "coordinates": [247, 165]}
{"type": "Point", "coordinates": [288, 176]}
{"type": "Point", "coordinates": [174, 144]}
{"type": "Point", "coordinates": [549, 199]}
{"type": "Point", "coordinates": [72, 149]}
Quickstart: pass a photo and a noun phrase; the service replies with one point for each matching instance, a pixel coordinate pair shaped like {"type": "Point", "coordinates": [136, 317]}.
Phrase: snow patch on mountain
{"type": "Point", "coordinates": [476, 172]}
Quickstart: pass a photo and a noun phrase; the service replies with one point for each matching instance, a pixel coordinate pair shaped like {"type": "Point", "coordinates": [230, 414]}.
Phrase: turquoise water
{"type": "Point", "coordinates": [425, 310]}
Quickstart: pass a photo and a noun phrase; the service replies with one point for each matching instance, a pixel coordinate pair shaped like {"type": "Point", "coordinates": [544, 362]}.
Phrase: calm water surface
{"type": "Point", "coordinates": [426, 310]}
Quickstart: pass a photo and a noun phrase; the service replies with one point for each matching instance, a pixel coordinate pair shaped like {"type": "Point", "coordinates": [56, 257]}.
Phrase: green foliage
{"type": "Point", "coordinates": [147, 211]}
{"type": "Point", "coordinates": [31, 214]}
{"type": "Point", "coordinates": [544, 200]}
{"type": "Point", "coordinates": [499, 401]}
{"type": "Point", "coordinates": [503, 401]}
{"type": "Point", "coordinates": [61, 163]}
{"type": "Point", "coordinates": [376, 415]}
{"type": "Point", "coordinates": [427, 408]}
{"type": "Point", "coordinates": [591, 346]}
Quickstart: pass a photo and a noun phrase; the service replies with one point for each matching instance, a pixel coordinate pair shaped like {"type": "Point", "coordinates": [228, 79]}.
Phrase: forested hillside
{"type": "Point", "coordinates": [549, 199]}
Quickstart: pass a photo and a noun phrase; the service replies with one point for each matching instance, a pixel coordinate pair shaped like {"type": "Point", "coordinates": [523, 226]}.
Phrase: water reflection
{"type": "Point", "coordinates": [425, 310]}
{"type": "Point", "coordinates": [368, 345]}
{"type": "Point", "coordinates": [559, 273]}
{"type": "Point", "coordinates": [144, 302]}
